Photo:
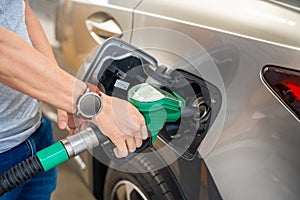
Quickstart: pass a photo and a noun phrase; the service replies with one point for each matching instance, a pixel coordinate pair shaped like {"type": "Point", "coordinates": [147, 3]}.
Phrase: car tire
{"type": "Point", "coordinates": [150, 185]}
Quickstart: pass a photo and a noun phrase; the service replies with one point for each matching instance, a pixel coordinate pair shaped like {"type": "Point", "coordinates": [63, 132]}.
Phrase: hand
{"type": "Point", "coordinates": [76, 124]}
{"type": "Point", "coordinates": [68, 120]}
{"type": "Point", "coordinates": [62, 119]}
{"type": "Point", "coordinates": [122, 123]}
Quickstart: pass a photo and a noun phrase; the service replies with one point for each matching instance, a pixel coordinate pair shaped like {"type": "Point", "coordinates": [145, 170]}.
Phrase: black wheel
{"type": "Point", "coordinates": [136, 186]}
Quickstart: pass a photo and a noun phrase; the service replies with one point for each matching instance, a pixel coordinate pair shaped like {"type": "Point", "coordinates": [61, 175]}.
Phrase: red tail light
{"type": "Point", "coordinates": [295, 89]}
{"type": "Point", "coordinates": [285, 84]}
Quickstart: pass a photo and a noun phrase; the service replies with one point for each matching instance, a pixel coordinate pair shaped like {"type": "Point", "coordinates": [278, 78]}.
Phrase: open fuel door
{"type": "Point", "coordinates": [176, 104]}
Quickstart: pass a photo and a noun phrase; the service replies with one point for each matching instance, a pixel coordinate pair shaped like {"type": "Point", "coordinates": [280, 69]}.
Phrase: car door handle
{"type": "Point", "coordinates": [101, 30]}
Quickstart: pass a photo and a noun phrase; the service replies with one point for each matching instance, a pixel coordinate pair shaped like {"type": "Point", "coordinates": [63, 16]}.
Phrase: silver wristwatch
{"type": "Point", "coordinates": [89, 104]}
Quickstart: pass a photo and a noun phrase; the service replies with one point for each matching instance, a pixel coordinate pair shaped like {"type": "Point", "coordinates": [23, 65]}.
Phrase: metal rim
{"type": "Point", "coordinates": [126, 190]}
{"type": "Point", "coordinates": [200, 103]}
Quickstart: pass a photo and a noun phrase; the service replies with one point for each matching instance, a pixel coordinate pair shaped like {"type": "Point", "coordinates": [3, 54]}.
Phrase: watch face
{"type": "Point", "coordinates": [90, 104]}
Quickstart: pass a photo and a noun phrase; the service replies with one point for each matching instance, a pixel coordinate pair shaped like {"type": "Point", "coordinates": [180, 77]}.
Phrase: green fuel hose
{"type": "Point", "coordinates": [50, 157]}
{"type": "Point", "coordinates": [20, 174]}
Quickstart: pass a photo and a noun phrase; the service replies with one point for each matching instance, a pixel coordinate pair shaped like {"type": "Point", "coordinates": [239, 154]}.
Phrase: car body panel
{"type": "Point", "coordinates": [73, 35]}
{"type": "Point", "coordinates": [256, 154]}
{"type": "Point", "coordinates": [255, 157]}
{"type": "Point", "coordinates": [260, 20]}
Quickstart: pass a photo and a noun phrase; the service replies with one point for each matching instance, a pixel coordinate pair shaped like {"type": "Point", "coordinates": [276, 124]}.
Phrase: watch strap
{"type": "Point", "coordinates": [93, 88]}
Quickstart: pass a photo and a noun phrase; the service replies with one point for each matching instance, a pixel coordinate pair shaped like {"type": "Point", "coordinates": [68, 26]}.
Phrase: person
{"type": "Point", "coordinates": [29, 74]}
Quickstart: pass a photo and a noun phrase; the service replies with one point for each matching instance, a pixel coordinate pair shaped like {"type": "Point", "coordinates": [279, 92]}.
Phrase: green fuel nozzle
{"type": "Point", "coordinates": [156, 105]}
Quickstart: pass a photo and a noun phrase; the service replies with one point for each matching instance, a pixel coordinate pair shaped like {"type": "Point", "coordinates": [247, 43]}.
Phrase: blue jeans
{"type": "Point", "coordinates": [41, 186]}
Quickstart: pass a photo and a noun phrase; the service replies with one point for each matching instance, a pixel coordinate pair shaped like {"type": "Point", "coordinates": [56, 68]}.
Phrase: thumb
{"type": "Point", "coordinates": [62, 119]}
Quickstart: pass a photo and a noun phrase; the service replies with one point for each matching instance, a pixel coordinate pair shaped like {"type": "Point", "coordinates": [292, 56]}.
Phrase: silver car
{"type": "Point", "coordinates": [245, 53]}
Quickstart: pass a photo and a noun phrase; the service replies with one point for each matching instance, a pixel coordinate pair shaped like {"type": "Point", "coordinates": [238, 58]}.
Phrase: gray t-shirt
{"type": "Point", "coordinates": [19, 114]}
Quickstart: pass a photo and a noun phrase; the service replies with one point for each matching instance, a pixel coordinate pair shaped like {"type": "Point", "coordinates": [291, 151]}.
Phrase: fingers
{"type": "Point", "coordinates": [140, 130]}
{"type": "Point", "coordinates": [138, 142]}
{"type": "Point", "coordinates": [144, 132]}
{"type": "Point", "coordinates": [131, 144]}
{"type": "Point", "coordinates": [79, 127]}
{"type": "Point", "coordinates": [128, 145]}
{"type": "Point", "coordinates": [71, 121]}
{"type": "Point", "coordinates": [121, 150]}
{"type": "Point", "coordinates": [62, 119]}
{"type": "Point", "coordinates": [76, 124]}
{"type": "Point", "coordinates": [73, 131]}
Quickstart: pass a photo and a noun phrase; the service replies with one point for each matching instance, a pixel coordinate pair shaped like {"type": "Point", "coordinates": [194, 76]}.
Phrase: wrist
{"type": "Point", "coordinates": [89, 103]}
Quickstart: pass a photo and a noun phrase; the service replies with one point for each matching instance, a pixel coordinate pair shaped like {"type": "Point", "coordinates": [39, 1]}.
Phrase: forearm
{"type": "Point", "coordinates": [36, 33]}
{"type": "Point", "coordinates": [27, 70]}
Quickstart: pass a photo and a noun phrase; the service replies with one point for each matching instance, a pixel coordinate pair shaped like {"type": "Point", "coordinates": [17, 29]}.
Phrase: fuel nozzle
{"type": "Point", "coordinates": [82, 141]}
{"type": "Point", "coordinates": [70, 147]}
{"type": "Point", "coordinates": [156, 105]}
